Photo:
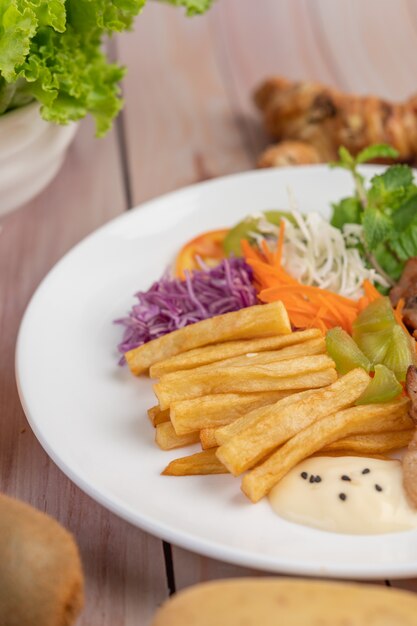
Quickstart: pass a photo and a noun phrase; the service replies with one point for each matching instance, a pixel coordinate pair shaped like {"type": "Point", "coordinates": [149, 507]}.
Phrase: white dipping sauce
{"type": "Point", "coordinates": [369, 499]}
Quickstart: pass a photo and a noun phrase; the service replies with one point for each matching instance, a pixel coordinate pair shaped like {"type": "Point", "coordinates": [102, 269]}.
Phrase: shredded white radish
{"type": "Point", "coordinates": [318, 254]}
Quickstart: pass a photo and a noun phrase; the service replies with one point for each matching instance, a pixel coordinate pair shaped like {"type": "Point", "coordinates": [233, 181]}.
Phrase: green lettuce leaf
{"type": "Point", "coordinates": [50, 50]}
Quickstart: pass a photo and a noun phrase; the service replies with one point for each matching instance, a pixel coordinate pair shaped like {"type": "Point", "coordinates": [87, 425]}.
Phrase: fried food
{"type": "Point", "coordinates": [410, 457]}
{"type": "Point", "coordinates": [372, 443]}
{"type": "Point", "coordinates": [229, 349]}
{"type": "Point", "coordinates": [276, 424]}
{"type": "Point", "coordinates": [406, 289]}
{"type": "Point", "coordinates": [157, 416]}
{"type": "Point", "coordinates": [253, 322]}
{"type": "Point", "coordinates": [208, 438]}
{"type": "Point", "coordinates": [218, 409]}
{"type": "Point", "coordinates": [319, 119]}
{"type": "Point", "coordinates": [167, 439]}
{"type": "Point", "coordinates": [204, 462]}
{"type": "Point", "coordinates": [257, 483]}
{"type": "Point", "coordinates": [411, 387]}
{"type": "Point", "coordinates": [225, 433]}
{"type": "Point", "coordinates": [300, 373]}
{"type": "Point", "coordinates": [400, 420]}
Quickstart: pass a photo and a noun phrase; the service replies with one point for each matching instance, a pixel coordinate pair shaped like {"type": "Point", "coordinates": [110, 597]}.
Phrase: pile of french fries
{"type": "Point", "coordinates": [260, 398]}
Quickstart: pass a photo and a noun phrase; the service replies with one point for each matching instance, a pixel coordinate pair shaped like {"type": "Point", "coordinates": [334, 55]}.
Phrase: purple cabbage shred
{"type": "Point", "coordinates": [172, 303]}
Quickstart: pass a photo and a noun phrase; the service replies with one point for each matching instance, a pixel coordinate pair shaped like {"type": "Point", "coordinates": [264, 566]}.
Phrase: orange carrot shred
{"type": "Point", "coordinates": [307, 306]}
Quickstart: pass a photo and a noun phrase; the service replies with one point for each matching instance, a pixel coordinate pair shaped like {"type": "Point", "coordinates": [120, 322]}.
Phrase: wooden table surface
{"type": "Point", "coordinates": [188, 117]}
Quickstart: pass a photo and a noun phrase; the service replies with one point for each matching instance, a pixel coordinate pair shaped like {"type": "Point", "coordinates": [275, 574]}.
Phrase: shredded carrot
{"type": "Point", "coordinates": [371, 292]}
{"type": "Point", "coordinates": [398, 313]}
{"type": "Point", "coordinates": [307, 306]}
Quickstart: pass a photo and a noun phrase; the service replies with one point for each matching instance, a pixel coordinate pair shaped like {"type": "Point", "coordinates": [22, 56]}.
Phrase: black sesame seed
{"type": "Point", "coordinates": [304, 475]}
{"type": "Point", "coordinates": [342, 496]}
{"type": "Point", "coordinates": [317, 479]}
{"type": "Point", "coordinates": [366, 470]}
{"type": "Point", "coordinates": [378, 487]}
{"type": "Point", "coordinates": [312, 478]}
{"type": "Point", "coordinates": [344, 477]}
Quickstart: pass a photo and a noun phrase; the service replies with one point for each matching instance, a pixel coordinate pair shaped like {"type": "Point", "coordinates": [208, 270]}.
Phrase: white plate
{"type": "Point", "coordinates": [90, 415]}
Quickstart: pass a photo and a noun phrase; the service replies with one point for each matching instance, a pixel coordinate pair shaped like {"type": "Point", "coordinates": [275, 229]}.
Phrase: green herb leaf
{"type": "Point", "coordinates": [377, 151]}
{"type": "Point", "coordinates": [376, 226]}
{"type": "Point", "coordinates": [347, 211]}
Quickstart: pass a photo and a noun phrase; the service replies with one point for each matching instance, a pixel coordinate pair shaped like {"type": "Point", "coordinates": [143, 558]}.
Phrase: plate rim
{"type": "Point", "coordinates": [181, 538]}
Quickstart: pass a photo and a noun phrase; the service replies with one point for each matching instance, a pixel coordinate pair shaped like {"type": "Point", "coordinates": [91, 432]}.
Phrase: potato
{"type": "Point", "coordinates": [167, 439]}
{"type": "Point", "coordinates": [257, 483]}
{"type": "Point", "coordinates": [227, 432]}
{"type": "Point", "coordinates": [217, 409]}
{"type": "Point", "coordinates": [219, 352]}
{"type": "Point", "coordinates": [257, 321]}
{"type": "Point", "coordinates": [372, 443]}
{"type": "Point", "coordinates": [293, 374]}
{"type": "Point", "coordinates": [272, 601]}
{"type": "Point", "coordinates": [41, 578]}
{"type": "Point", "coordinates": [204, 462]}
{"type": "Point", "coordinates": [208, 438]}
{"type": "Point", "coordinates": [276, 424]}
{"type": "Point", "coordinates": [157, 416]}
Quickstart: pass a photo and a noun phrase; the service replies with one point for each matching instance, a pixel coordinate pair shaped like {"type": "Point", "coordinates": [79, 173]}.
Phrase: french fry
{"type": "Point", "coordinates": [306, 348]}
{"type": "Point", "coordinates": [208, 438]}
{"type": "Point", "coordinates": [256, 321]}
{"type": "Point", "coordinates": [400, 420]}
{"type": "Point", "coordinates": [219, 352]}
{"type": "Point", "coordinates": [276, 424]}
{"type": "Point", "coordinates": [218, 409]}
{"type": "Point", "coordinates": [293, 374]}
{"type": "Point", "coordinates": [157, 416]}
{"type": "Point", "coordinates": [257, 483]}
{"type": "Point", "coordinates": [372, 443]}
{"type": "Point", "coordinates": [204, 462]}
{"type": "Point", "coordinates": [167, 439]}
{"type": "Point", "coordinates": [227, 432]}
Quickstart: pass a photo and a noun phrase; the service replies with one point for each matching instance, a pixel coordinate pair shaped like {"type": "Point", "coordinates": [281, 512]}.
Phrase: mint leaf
{"type": "Point", "coordinates": [394, 178]}
{"type": "Point", "coordinates": [404, 245]}
{"type": "Point", "coordinates": [347, 211]}
{"type": "Point", "coordinates": [407, 213]}
{"type": "Point", "coordinates": [376, 226]}
{"type": "Point", "coordinates": [377, 151]}
{"type": "Point", "coordinates": [388, 260]}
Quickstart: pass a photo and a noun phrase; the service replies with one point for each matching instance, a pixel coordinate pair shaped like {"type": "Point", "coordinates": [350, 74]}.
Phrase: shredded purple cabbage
{"type": "Point", "coordinates": [172, 303]}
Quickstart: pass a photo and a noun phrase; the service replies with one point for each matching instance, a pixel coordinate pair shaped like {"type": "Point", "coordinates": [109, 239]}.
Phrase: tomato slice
{"type": "Point", "coordinates": [207, 246]}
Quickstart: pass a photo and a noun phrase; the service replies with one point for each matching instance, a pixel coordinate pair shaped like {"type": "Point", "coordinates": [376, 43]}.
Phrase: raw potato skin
{"type": "Point", "coordinates": [286, 602]}
{"type": "Point", "coordinates": [41, 580]}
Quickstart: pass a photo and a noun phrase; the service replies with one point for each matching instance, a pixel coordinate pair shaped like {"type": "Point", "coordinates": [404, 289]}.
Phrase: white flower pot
{"type": "Point", "coordinates": [31, 153]}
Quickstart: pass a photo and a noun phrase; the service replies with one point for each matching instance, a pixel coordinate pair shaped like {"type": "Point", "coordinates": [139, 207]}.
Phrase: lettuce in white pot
{"type": "Point", "coordinates": [53, 72]}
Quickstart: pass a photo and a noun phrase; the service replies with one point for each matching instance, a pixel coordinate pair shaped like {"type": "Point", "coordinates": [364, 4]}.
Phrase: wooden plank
{"type": "Point", "coordinates": [124, 566]}
{"type": "Point", "coordinates": [179, 124]}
